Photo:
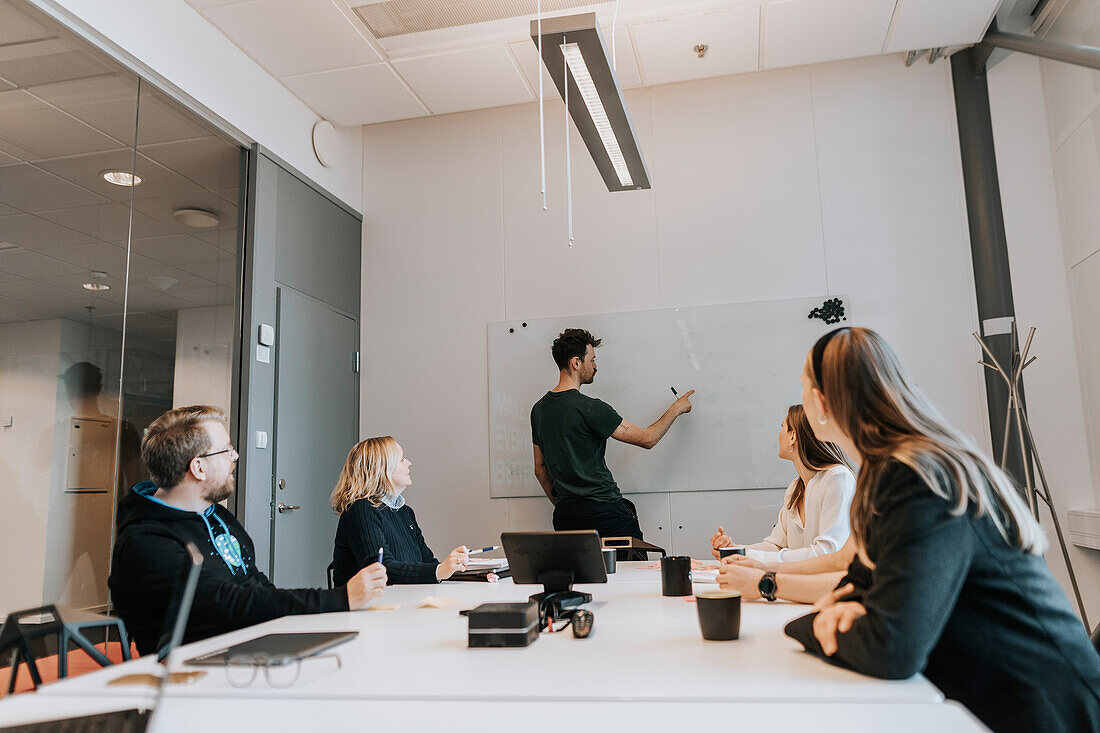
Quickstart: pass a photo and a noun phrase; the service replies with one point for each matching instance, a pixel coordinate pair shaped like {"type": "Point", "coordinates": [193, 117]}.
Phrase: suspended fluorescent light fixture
{"type": "Point", "coordinates": [595, 99]}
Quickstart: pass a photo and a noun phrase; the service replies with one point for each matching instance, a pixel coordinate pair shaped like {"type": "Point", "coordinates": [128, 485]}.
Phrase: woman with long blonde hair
{"type": "Point", "coordinates": [374, 518]}
{"type": "Point", "coordinates": [814, 518]}
{"type": "Point", "coordinates": [958, 587]}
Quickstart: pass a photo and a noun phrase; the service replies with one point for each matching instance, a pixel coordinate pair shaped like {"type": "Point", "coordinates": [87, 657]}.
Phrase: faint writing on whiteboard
{"type": "Point", "coordinates": [508, 406]}
{"type": "Point", "coordinates": [509, 438]}
{"type": "Point", "coordinates": [515, 473]}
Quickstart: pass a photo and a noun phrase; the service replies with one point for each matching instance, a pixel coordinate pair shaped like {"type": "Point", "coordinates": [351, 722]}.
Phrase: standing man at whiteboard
{"type": "Point", "coordinates": [570, 432]}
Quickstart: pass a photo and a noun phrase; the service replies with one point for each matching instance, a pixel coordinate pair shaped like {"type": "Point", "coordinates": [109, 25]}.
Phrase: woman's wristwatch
{"type": "Point", "coordinates": [767, 586]}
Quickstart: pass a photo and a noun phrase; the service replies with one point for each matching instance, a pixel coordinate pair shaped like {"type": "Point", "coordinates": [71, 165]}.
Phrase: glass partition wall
{"type": "Point", "coordinates": [119, 295]}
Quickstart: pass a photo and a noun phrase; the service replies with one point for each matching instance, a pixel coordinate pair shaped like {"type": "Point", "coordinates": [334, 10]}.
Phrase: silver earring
{"type": "Point", "coordinates": [822, 420]}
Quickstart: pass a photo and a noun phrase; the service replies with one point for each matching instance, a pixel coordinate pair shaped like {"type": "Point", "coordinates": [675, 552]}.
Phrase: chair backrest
{"type": "Point", "coordinates": [16, 635]}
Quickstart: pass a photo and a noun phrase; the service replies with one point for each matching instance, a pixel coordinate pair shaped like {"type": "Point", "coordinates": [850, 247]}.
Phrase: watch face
{"type": "Point", "coordinates": [768, 586]}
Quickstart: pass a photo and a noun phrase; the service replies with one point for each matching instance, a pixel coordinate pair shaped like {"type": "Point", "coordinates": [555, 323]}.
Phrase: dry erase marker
{"type": "Point", "coordinates": [674, 391]}
{"type": "Point", "coordinates": [483, 549]}
{"type": "Point", "coordinates": [379, 554]}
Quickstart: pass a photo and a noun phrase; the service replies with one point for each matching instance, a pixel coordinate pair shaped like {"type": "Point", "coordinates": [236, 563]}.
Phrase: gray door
{"type": "Point", "coordinates": [316, 415]}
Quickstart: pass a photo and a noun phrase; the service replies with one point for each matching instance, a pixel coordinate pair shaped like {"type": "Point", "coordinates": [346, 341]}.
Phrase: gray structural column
{"type": "Point", "coordinates": [988, 243]}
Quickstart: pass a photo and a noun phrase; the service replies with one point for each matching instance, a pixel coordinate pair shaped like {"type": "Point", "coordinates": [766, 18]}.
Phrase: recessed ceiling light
{"type": "Point", "coordinates": [121, 178]}
{"type": "Point", "coordinates": [196, 218]}
{"type": "Point", "coordinates": [98, 283]}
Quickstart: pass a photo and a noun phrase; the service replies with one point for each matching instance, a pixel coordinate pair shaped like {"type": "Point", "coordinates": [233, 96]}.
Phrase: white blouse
{"type": "Point", "coordinates": [827, 501]}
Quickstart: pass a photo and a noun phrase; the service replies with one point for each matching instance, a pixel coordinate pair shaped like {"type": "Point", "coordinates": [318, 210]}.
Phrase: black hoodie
{"type": "Point", "coordinates": [146, 567]}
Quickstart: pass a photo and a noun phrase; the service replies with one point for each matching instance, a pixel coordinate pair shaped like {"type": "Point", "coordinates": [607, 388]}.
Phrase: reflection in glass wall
{"type": "Point", "coordinates": [116, 300]}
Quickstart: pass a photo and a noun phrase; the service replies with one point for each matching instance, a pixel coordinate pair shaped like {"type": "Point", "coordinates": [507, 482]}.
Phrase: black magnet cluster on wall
{"type": "Point", "coordinates": [831, 311]}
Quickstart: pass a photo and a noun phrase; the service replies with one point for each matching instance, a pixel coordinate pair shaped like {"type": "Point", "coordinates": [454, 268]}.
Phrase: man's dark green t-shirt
{"type": "Point", "coordinates": [572, 430]}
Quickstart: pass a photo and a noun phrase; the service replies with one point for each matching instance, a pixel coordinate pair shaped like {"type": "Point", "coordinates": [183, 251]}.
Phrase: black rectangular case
{"type": "Point", "coordinates": [503, 624]}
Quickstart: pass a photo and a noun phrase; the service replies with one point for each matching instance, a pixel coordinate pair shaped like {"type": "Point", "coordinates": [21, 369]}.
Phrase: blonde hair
{"type": "Point", "coordinates": [366, 473]}
{"type": "Point", "coordinates": [875, 403]}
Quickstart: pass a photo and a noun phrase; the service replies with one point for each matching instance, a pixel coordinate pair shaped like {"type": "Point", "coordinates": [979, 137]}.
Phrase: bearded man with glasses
{"type": "Point", "coordinates": [191, 460]}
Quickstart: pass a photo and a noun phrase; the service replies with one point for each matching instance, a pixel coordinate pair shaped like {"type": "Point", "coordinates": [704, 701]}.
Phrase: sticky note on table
{"type": "Point", "coordinates": [384, 607]}
{"type": "Point", "coordinates": [433, 602]}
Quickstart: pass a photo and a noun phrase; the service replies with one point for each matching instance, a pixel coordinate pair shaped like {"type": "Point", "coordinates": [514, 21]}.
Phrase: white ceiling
{"type": "Point", "coordinates": [66, 115]}
{"type": "Point", "coordinates": [326, 55]}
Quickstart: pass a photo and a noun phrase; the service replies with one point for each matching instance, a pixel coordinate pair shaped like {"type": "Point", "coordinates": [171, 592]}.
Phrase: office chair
{"type": "Point", "coordinates": [69, 625]}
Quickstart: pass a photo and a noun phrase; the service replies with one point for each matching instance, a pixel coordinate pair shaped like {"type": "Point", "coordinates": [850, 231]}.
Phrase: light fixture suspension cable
{"type": "Point", "coordinates": [542, 126]}
{"type": "Point", "coordinates": [568, 164]}
{"type": "Point", "coordinates": [614, 22]}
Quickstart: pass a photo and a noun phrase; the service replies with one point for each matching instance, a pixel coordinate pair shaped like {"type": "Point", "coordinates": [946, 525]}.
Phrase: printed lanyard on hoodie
{"type": "Point", "coordinates": [229, 549]}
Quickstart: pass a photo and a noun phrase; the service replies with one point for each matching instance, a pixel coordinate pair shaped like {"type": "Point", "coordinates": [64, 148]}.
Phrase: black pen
{"type": "Point", "coordinates": [674, 391]}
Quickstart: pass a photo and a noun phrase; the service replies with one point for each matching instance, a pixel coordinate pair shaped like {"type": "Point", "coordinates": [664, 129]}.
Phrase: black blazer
{"type": "Point", "coordinates": [985, 622]}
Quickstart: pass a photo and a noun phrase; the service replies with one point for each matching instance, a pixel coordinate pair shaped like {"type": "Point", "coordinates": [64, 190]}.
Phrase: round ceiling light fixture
{"type": "Point", "coordinates": [98, 282]}
{"type": "Point", "coordinates": [122, 178]}
{"type": "Point", "coordinates": [196, 218]}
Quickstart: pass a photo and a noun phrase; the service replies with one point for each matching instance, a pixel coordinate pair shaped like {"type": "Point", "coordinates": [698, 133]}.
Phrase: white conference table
{"type": "Point", "coordinates": [644, 647]}
{"type": "Point", "coordinates": [185, 715]}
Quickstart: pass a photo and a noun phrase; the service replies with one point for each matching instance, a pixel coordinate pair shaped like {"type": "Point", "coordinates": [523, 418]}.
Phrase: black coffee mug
{"type": "Point", "coordinates": [676, 575]}
{"type": "Point", "coordinates": [719, 614]}
{"type": "Point", "coordinates": [724, 552]}
{"type": "Point", "coordinates": [609, 560]}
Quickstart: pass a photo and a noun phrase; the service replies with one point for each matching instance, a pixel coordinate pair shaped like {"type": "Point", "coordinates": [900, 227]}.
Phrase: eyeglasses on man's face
{"type": "Point", "coordinates": [229, 449]}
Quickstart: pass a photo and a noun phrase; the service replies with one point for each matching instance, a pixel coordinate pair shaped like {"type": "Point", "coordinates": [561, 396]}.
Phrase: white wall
{"type": "Point", "coordinates": [29, 365]}
{"type": "Point", "coordinates": [204, 357]}
{"type": "Point", "coordinates": [1041, 288]}
{"type": "Point", "coordinates": [840, 178]}
{"type": "Point", "coordinates": [173, 39]}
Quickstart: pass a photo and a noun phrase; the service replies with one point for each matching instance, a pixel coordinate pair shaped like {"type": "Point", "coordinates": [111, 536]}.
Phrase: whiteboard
{"type": "Point", "coordinates": [743, 359]}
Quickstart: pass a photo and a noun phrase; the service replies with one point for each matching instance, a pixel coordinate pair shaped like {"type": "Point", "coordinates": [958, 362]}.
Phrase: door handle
{"type": "Point", "coordinates": [283, 508]}
{"type": "Point", "coordinates": [282, 484]}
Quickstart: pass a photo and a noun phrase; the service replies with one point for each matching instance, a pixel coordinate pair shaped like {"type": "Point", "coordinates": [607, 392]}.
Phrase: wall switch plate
{"type": "Point", "coordinates": [261, 438]}
{"type": "Point", "coordinates": [263, 354]}
{"type": "Point", "coordinates": [7, 421]}
{"type": "Point", "coordinates": [267, 335]}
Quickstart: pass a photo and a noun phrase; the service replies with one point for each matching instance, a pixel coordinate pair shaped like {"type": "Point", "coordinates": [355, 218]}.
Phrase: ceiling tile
{"type": "Point", "coordinates": [35, 266]}
{"type": "Point", "coordinates": [18, 27]}
{"type": "Point", "coordinates": [9, 150]}
{"type": "Point", "coordinates": [35, 67]}
{"type": "Point", "coordinates": [936, 23]}
{"type": "Point", "coordinates": [107, 103]}
{"type": "Point", "coordinates": [153, 301]}
{"type": "Point", "coordinates": [222, 272]}
{"type": "Point", "coordinates": [102, 256]}
{"type": "Point", "coordinates": [358, 96]}
{"type": "Point", "coordinates": [666, 48]}
{"type": "Point", "coordinates": [35, 126]}
{"type": "Point", "coordinates": [16, 311]}
{"type": "Point", "coordinates": [177, 250]}
{"type": "Point", "coordinates": [33, 233]}
{"type": "Point", "coordinates": [109, 222]}
{"type": "Point", "coordinates": [205, 296]}
{"type": "Point", "coordinates": [34, 291]}
{"type": "Point", "coordinates": [294, 36]}
{"type": "Point", "coordinates": [456, 82]}
{"type": "Point", "coordinates": [29, 189]}
{"type": "Point", "coordinates": [626, 66]}
{"type": "Point", "coordinates": [211, 162]}
{"type": "Point", "coordinates": [811, 31]}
